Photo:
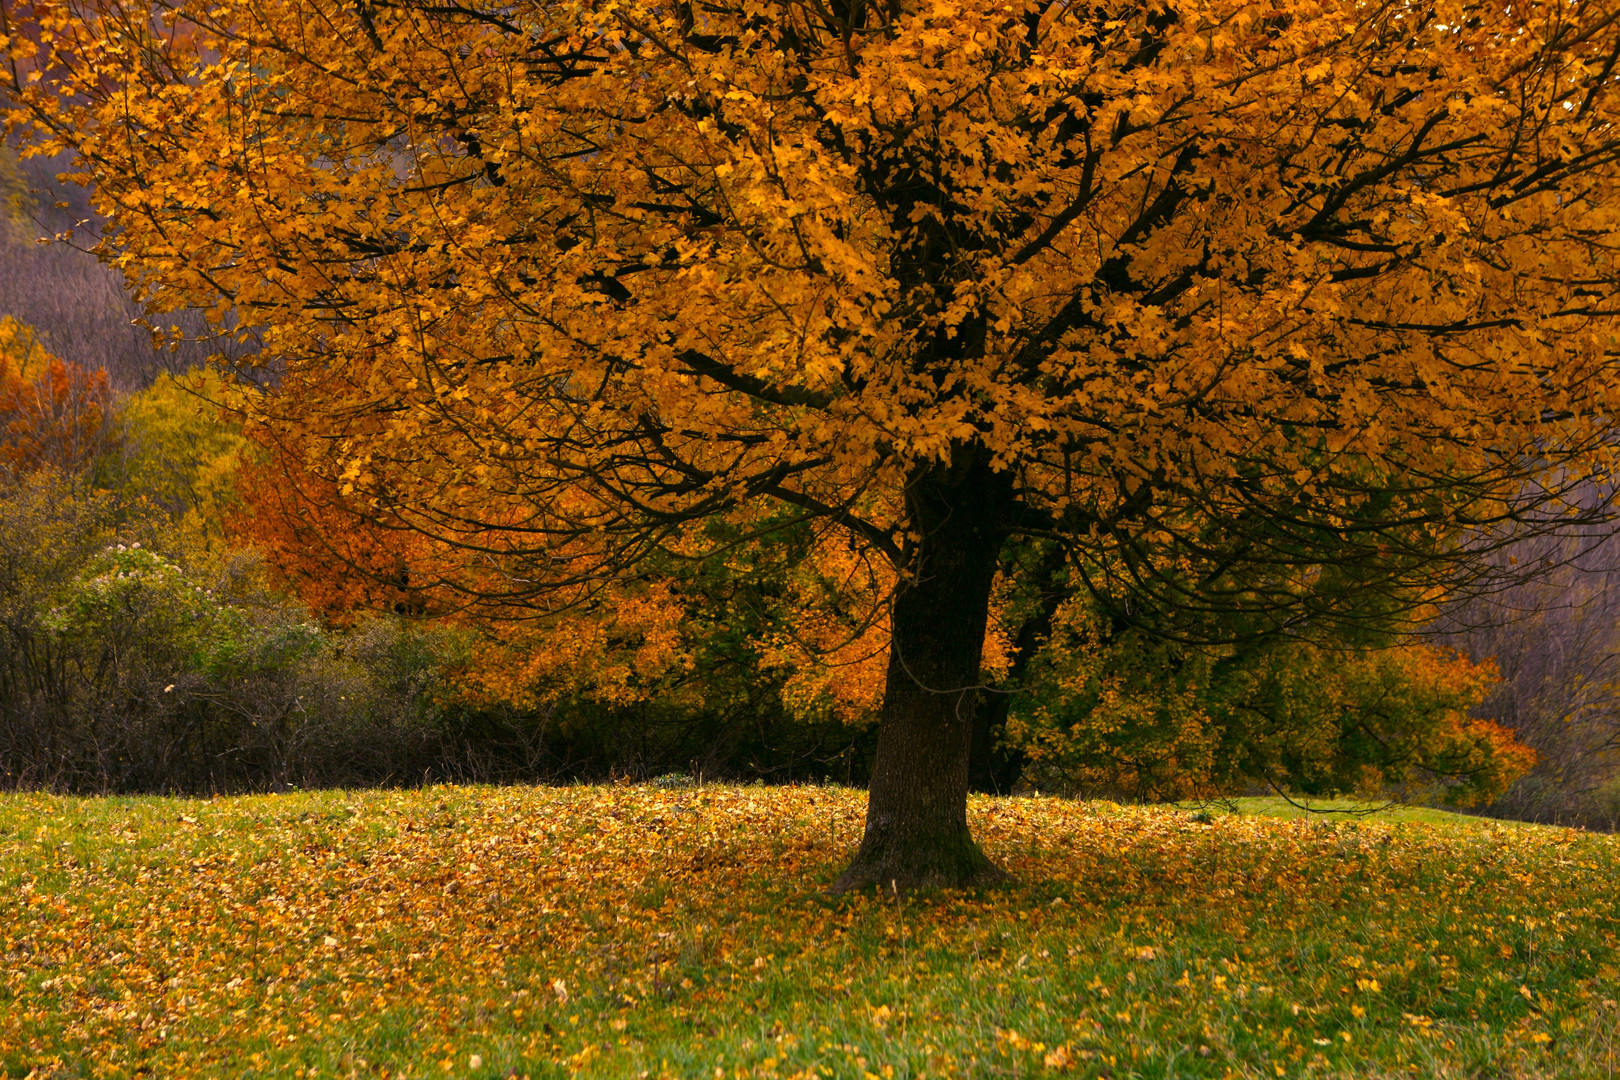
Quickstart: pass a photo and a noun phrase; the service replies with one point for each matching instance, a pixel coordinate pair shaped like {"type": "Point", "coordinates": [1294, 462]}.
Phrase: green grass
{"type": "Point", "coordinates": [628, 932]}
{"type": "Point", "coordinates": [1346, 810]}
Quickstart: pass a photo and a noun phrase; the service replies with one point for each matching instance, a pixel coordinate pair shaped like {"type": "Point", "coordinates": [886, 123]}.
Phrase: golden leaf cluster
{"type": "Point", "coordinates": [544, 281]}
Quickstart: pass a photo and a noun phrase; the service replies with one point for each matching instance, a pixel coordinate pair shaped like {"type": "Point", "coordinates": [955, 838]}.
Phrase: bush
{"type": "Point", "coordinates": [1126, 714]}
{"type": "Point", "coordinates": [127, 668]}
{"type": "Point", "coordinates": [121, 669]}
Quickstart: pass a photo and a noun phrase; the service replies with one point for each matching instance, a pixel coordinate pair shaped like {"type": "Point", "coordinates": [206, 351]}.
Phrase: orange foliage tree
{"type": "Point", "coordinates": [1257, 308]}
{"type": "Point", "coordinates": [812, 625]}
{"type": "Point", "coordinates": [318, 542]}
{"type": "Point", "coordinates": [53, 415]}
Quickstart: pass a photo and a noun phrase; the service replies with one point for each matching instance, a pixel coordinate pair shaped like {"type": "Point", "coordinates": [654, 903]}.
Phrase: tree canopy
{"type": "Point", "coordinates": [1255, 309]}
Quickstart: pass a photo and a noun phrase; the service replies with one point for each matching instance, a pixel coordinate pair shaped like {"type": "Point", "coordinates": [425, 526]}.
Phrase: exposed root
{"type": "Point", "coordinates": [900, 870]}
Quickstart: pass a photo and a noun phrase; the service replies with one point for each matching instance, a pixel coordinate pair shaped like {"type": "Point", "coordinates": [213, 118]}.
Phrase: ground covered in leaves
{"type": "Point", "coordinates": [649, 932]}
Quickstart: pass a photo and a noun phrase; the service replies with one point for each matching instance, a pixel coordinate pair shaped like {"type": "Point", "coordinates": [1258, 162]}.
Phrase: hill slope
{"type": "Point", "coordinates": [635, 931]}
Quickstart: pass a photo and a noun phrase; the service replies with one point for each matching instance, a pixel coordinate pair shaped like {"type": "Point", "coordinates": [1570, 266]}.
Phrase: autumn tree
{"type": "Point", "coordinates": [1257, 308]}
{"type": "Point", "coordinates": [53, 414]}
{"type": "Point", "coordinates": [318, 542]}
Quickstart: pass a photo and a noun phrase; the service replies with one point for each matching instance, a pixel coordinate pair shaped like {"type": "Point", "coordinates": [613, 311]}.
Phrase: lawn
{"type": "Point", "coordinates": [647, 932]}
{"type": "Point", "coordinates": [1346, 811]}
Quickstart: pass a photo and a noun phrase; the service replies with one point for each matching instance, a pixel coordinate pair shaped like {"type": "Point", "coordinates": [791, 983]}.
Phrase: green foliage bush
{"type": "Point", "coordinates": [123, 669]}
{"type": "Point", "coordinates": [139, 652]}
{"type": "Point", "coordinates": [1124, 713]}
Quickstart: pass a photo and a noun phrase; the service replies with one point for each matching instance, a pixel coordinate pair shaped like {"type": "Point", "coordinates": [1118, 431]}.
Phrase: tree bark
{"type": "Point", "coordinates": [916, 817]}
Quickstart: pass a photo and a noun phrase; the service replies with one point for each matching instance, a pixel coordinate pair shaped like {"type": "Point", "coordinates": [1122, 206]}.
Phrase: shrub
{"type": "Point", "coordinates": [124, 669]}
{"type": "Point", "coordinates": [1124, 713]}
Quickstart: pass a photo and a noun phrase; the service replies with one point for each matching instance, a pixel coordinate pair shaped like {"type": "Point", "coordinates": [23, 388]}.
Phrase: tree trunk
{"type": "Point", "coordinates": [916, 816]}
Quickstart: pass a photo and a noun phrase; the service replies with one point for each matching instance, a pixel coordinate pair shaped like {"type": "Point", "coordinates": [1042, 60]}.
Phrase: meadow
{"type": "Point", "coordinates": [640, 931]}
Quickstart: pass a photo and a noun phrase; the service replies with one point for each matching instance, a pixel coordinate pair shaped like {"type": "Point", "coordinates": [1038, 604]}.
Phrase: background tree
{"type": "Point", "coordinates": [53, 414]}
{"type": "Point", "coordinates": [1259, 311]}
{"type": "Point", "coordinates": [320, 542]}
{"type": "Point", "coordinates": [181, 457]}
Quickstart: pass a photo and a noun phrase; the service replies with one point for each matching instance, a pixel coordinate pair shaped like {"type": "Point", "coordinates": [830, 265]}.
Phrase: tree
{"type": "Point", "coordinates": [53, 415]}
{"type": "Point", "coordinates": [181, 458]}
{"type": "Point", "coordinates": [1258, 310]}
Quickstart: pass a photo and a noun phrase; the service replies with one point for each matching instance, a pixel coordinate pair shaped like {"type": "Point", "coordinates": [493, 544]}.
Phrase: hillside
{"type": "Point", "coordinates": [649, 932]}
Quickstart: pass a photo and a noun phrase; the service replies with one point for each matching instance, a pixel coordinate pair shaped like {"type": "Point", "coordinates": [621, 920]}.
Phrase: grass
{"type": "Point", "coordinates": [1347, 811]}
{"type": "Point", "coordinates": [640, 932]}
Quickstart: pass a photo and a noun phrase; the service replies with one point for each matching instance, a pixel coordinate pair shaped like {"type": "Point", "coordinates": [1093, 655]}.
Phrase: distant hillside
{"type": "Point", "coordinates": [80, 307]}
